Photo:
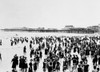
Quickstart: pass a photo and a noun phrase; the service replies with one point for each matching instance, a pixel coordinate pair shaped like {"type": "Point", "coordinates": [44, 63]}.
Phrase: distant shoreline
{"type": "Point", "coordinates": [77, 31]}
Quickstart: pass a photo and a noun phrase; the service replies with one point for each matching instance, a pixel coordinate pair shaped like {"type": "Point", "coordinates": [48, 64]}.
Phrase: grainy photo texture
{"type": "Point", "coordinates": [49, 35]}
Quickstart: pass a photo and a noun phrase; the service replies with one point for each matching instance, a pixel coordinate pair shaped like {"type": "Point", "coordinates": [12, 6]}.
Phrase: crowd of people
{"type": "Point", "coordinates": [64, 53]}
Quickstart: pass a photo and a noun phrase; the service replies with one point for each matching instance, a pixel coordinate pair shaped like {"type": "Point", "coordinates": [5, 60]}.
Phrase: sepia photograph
{"type": "Point", "coordinates": [49, 35]}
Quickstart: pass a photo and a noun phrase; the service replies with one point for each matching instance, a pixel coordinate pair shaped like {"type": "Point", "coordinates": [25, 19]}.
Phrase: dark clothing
{"type": "Point", "coordinates": [87, 52]}
{"type": "Point", "coordinates": [35, 66]}
{"type": "Point", "coordinates": [99, 61]}
{"type": "Point", "coordinates": [24, 50]}
{"type": "Point", "coordinates": [15, 62]}
{"type": "Point", "coordinates": [58, 66]}
{"type": "Point", "coordinates": [25, 65]}
{"type": "Point", "coordinates": [50, 69]}
{"type": "Point", "coordinates": [80, 69]}
{"type": "Point", "coordinates": [30, 69]}
{"type": "Point", "coordinates": [44, 66]}
{"type": "Point", "coordinates": [86, 68]}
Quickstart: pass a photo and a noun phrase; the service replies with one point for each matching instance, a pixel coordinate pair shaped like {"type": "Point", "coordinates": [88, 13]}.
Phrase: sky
{"type": "Point", "coordinates": [49, 13]}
